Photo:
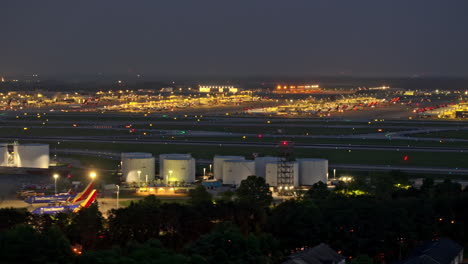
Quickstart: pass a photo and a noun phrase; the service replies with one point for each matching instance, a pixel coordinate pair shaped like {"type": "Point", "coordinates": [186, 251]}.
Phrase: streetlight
{"type": "Point", "coordinates": [118, 191]}
{"type": "Point", "coordinates": [55, 181]}
{"type": "Point", "coordinates": [92, 175]}
{"type": "Point", "coordinates": [334, 174]}
{"type": "Point", "coordinates": [204, 172]}
{"type": "Point", "coordinates": [211, 165]}
{"type": "Point", "coordinates": [139, 179]}
{"type": "Point", "coordinates": [170, 175]}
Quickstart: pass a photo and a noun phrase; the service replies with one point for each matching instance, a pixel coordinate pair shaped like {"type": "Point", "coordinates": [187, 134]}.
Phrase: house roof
{"type": "Point", "coordinates": [442, 251]}
{"type": "Point", "coordinates": [321, 254]}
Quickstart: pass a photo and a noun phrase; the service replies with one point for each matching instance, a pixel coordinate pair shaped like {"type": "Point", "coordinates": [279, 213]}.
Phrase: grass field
{"type": "Point", "coordinates": [72, 131]}
{"type": "Point", "coordinates": [357, 141]}
{"type": "Point", "coordinates": [460, 134]}
{"type": "Point", "coordinates": [334, 156]}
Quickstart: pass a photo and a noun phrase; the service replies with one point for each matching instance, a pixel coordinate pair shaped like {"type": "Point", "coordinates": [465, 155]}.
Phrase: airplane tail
{"type": "Point", "coordinates": [85, 193]}
{"type": "Point", "coordinates": [88, 201]}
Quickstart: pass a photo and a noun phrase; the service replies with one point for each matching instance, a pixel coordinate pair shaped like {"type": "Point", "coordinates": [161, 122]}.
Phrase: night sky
{"type": "Point", "coordinates": [243, 37]}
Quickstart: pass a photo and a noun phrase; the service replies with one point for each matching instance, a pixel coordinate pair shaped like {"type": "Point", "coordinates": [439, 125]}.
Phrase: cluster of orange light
{"type": "Point", "coordinates": [296, 88]}
{"type": "Point", "coordinates": [315, 86]}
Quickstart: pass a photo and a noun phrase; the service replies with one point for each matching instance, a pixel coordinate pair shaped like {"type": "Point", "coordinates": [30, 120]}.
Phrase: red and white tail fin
{"type": "Point", "coordinates": [91, 198]}
{"type": "Point", "coordinates": [85, 193]}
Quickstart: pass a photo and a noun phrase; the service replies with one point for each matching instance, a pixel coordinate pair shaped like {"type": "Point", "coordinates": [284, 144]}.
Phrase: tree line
{"type": "Point", "coordinates": [378, 220]}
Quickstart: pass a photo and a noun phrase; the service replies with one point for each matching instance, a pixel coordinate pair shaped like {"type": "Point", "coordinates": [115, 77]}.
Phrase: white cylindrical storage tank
{"type": "Point", "coordinates": [312, 171]}
{"type": "Point", "coordinates": [234, 171]}
{"type": "Point", "coordinates": [171, 155]}
{"type": "Point", "coordinates": [138, 169]}
{"type": "Point", "coordinates": [178, 169]}
{"type": "Point", "coordinates": [218, 165]}
{"type": "Point", "coordinates": [3, 155]}
{"type": "Point", "coordinates": [32, 155]}
{"type": "Point", "coordinates": [260, 165]}
{"type": "Point", "coordinates": [271, 173]}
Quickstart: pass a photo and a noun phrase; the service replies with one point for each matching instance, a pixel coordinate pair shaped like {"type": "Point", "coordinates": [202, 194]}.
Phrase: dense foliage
{"type": "Point", "coordinates": [367, 221]}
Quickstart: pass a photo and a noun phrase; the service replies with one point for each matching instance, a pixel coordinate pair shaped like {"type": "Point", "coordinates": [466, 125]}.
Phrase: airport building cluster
{"type": "Point", "coordinates": [218, 89]}
{"type": "Point", "coordinates": [312, 106]}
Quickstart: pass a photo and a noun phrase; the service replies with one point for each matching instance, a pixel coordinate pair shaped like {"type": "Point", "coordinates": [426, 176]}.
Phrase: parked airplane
{"type": "Point", "coordinates": [62, 197]}
{"type": "Point", "coordinates": [67, 208]}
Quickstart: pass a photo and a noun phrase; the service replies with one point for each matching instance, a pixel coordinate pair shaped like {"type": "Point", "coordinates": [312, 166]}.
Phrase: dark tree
{"type": "Point", "coordinates": [200, 197]}
{"type": "Point", "coordinates": [23, 244]}
{"type": "Point", "coordinates": [318, 191]}
{"type": "Point", "coordinates": [140, 221]}
{"type": "Point", "coordinates": [254, 190]}
{"type": "Point", "coordinates": [86, 227]}
{"type": "Point", "coordinates": [10, 217]}
{"type": "Point", "coordinates": [226, 244]}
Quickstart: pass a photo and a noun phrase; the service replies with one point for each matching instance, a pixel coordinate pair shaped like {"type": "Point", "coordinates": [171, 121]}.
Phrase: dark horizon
{"type": "Point", "coordinates": [243, 38]}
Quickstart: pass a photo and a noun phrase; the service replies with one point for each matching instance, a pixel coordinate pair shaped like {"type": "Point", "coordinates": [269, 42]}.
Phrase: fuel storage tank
{"type": "Point", "coordinates": [3, 154]}
{"type": "Point", "coordinates": [312, 171]}
{"type": "Point", "coordinates": [138, 167]}
{"type": "Point", "coordinates": [170, 155]}
{"type": "Point", "coordinates": [234, 171]}
{"type": "Point", "coordinates": [31, 155]}
{"type": "Point", "coordinates": [271, 173]}
{"type": "Point", "coordinates": [218, 162]}
{"type": "Point", "coordinates": [260, 165]}
{"type": "Point", "coordinates": [178, 170]}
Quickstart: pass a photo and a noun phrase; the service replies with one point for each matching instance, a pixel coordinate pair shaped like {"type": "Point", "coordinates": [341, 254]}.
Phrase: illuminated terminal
{"type": "Point", "coordinates": [218, 89]}
{"type": "Point", "coordinates": [300, 89]}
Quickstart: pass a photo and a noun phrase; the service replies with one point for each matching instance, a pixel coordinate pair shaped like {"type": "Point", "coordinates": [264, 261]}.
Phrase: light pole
{"type": "Point", "coordinates": [146, 179]}
{"type": "Point", "coordinates": [204, 172]}
{"type": "Point", "coordinates": [170, 176]}
{"type": "Point", "coordinates": [334, 174]}
{"type": "Point", "coordinates": [118, 191]}
{"type": "Point", "coordinates": [139, 179]}
{"type": "Point", "coordinates": [55, 182]}
{"type": "Point", "coordinates": [211, 165]}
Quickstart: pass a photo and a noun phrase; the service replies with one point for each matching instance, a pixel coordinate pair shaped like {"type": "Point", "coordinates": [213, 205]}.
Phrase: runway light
{"type": "Point", "coordinates": [406, 158]}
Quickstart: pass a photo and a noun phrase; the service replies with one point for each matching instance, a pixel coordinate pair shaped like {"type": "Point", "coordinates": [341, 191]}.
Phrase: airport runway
{"type": "Point", "coordinates": [241, 144]}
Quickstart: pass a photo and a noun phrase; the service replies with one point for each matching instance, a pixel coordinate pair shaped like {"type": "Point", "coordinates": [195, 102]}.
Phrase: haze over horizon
{"type": "Point", "coordinates": [216, 38]}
